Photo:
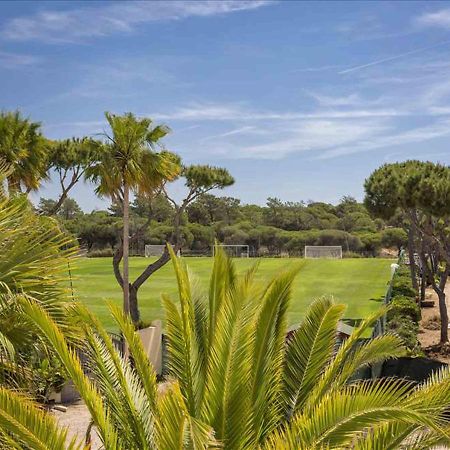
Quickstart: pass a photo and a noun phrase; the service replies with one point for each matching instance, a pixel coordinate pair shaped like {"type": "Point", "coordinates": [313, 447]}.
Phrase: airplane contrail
{"type": "Point", "coordinates": [392, 58]}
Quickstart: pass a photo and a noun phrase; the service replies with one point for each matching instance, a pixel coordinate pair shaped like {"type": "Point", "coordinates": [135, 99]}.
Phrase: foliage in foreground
{"type": "Point", "coordinates": [34, 255]}
{"type": "Point", "coordinates": [237, 383]}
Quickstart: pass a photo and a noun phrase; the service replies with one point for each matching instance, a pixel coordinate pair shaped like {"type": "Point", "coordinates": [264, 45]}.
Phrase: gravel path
{"type": "Point", "coordinates": [76, 419]}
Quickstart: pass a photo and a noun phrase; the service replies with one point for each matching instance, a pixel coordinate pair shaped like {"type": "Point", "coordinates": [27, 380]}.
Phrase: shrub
{"type": "Point", "coordinates": [352, 255]}
{"type": "Point", "coordinates": [404, 315]}
{"type": "Point", "coordinates": [104, 252]}
{"type": "Point", "coordinates": [433, 323]}
{"type": "Point", "coordinates": [404, 307]}
{"type": "Point", "coordinates": [407, 330]}
{"type": "Point", "coordinates": [401, 286]}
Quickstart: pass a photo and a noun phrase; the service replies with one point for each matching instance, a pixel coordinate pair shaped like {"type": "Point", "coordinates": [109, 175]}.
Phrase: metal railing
{"type": "Point", "coordinates": [380, 326]}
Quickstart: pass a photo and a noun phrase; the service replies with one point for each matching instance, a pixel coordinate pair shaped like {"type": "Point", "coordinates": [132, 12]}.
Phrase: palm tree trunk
{"type": "Point", "coordinates": [125, 242]}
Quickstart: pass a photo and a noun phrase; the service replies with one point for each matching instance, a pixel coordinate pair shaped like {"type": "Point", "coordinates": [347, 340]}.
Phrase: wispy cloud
{"type": "Point", "coordinates": [415, 135]}
{"type": "Point", "coordinates": [233, 132]}
{"type": "Point", "coordinates": [440, 18]}
{"type": "Point", "coordinates": [76, 25]}
{"type": "Point", "coordinates": [15, 60]}
{"type": "Point", "coordinates": [124, 77]}
{"type": "Point", "coordinates": [236, 112]}
{"type": "Point", "coordinates": [314, 138]}
{"type": "Point", "coordinates": [394, 57]}
{"type": "Point", "coordinates": [317, 69]}
{"type": "Point", "coordinates": [353, 99]}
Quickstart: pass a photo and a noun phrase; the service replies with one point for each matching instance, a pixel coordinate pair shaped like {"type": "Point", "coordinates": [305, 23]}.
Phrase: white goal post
{"type": "Point", "coordinates": [234, 250]}
{"type": "Point", "coordinates": [323, 251]}
{"type": "Point", "coordinates": [154, 250]}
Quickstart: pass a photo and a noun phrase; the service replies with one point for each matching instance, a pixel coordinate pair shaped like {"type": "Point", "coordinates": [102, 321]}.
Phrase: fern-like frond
{"type": "Point", "coordinates": [309, 352]}
{"type": "Point", "coordinates": [69, 359]}
{"type": "Point", "coordinates": [24, 423]}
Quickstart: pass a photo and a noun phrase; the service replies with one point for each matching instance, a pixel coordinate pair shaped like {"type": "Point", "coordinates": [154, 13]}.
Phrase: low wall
{"type": "Point", "coordinates": [413, 369]}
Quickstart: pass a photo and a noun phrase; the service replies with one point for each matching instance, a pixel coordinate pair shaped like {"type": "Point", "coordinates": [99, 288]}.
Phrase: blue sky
{"type": "Point", "coordinates": [298, 100]}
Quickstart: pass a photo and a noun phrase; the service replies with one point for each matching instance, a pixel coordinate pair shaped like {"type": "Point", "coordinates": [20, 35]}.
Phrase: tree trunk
{"type": "Point", "coordinates": [423, 284]}
{"type": "Point", "coordinates": [59, 203]}
{"type": "Point", "coordinates": [134, 307]}
{"type": "Point", "coordinates": [439, 288]}
{"type": "Point", "coordinates": [161, 261]}
{"type": "Point", "coordinates": [125, 243]}
{"type": "Point", "coordinates": [412, 261]}
{"type": "Point", "coordinates": [444, 315]}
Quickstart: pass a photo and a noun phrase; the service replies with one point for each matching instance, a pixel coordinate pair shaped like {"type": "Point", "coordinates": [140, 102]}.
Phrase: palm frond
{"type": "Point", "coordinates": [270, 334]}
{"type": "Point", "coordinates": [69, 359]}
{"type": "Point", "coordinates": [309, 352]}
{"type": "Point", "coordinates": [341, 416]}
{"type": "Point", "coordinates": [30, 427]}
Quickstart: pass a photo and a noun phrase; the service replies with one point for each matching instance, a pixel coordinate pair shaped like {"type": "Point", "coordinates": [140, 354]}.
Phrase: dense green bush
{"type": "Point", "coordinates": [401, 286]}
{"type": "Point", "coordinates": [104, 252]}
{"type": "Point", "coordinates": [402, 306]}
{"type": "Point", "coordinates": [404, 315]}
{"type": "Point", "coordinates": [407, 329]}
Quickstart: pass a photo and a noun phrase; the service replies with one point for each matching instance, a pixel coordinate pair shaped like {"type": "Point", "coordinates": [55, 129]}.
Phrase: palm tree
{"type": "Point", "coordinates": [237, 383]}
{"type": "Point", "coordinates": [25, 151]}
{"type": "Point", "coordinates": [34, 254]}
{"type": "Point", "coordinates": [130, 164]}
{"type": "Point", "coordinates": [239, 375]}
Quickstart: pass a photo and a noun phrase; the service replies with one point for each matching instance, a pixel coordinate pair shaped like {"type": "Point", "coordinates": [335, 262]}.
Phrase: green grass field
{"type": "Point", "coordinates": [359, 283]}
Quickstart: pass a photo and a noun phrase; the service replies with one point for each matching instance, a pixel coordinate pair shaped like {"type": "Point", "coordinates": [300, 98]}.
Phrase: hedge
{"type": "Point", "coordinates": [404, 313]}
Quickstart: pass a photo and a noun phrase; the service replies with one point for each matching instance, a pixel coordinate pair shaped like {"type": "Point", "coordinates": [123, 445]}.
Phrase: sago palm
{"type": "Point", "coordinates": [34, 254]}
{"type": "Point", "coordinates": [238, 373]}
{"type": "Point", "coordinates": [129, 163]}
{"type": "Point", "coordinates": [236, 383]}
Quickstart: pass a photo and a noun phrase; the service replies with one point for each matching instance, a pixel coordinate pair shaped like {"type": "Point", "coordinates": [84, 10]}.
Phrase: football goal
{"type": "Point", "coordinates": [233, 250]}
{"type": "Point", "coordinates": [323, 251]}
{"type": "Point", "coordinates": [154, 250]}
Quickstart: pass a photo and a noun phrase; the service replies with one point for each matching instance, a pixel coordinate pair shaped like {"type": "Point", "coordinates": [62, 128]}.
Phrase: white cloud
{"type": "Point", "coordinates": [394, 57]}
{"type": "Point", "coordinates": [237, 112]}
{"type": "Point", "coordinates": [233, 132]}
{"type": "Point", "coordinates": [122, 17]}
{"type": "Point", "coordinates": [314, 137]}
{"type": "Point", "coordinates": [346, 100]}
{"type": "Point", "coordinates": [124, 77]}
{"type": "Point", "coordinates": [16, 60]}
{"type": "Point", "coordinates": [439, 18]}
{"type": "Point", "coordinates": [317, 69]}
{"type": "Point", "coordinates": [415, 135]}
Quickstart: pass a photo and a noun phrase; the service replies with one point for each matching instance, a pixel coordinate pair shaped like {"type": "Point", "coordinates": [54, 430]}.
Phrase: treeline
{"type": "Point", "coordinates": [278, 228]}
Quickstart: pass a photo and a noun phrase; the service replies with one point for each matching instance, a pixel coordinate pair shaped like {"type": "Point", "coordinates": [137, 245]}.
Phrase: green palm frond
{"type": "Point", "coordinates": [25, 424]}
{"type": "Point", "coordinates": [341, 416]}
{"type": "Point", "coordinates": [179, 430]}
{"type": "Point", "coordinates": [309, 352]}
{"type": "Point", "coordinates": [347, 360]}
{"type": "Point", "coordinates": [237, 383]}
{"type": "Point", "coordinates": [69, 359]}
{"type": "Point", "coordinates": [129, 156]}
{"type": "Point", "coordinates": [267, 364]}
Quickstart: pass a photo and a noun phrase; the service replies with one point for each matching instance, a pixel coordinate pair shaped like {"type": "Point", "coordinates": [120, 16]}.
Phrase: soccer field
{"type": "Point", "coordinates": [359, 283]}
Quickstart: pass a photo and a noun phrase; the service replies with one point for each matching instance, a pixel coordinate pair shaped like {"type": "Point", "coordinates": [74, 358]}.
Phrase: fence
{"type": "Point", "coordinates": [380, 326]}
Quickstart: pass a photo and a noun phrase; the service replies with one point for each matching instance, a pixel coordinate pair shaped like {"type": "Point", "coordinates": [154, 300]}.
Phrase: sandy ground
{"type": "Point", "coordinates": [76, 419]}
{"type": "Point", "coordinates": [428, 337]}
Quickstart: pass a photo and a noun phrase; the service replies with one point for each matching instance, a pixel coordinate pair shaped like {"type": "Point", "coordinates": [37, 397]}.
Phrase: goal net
{"type": "Point", "coordinates": [154, 250]}
{"type": "Point", "coordinates": [233, 250]}
{"type": "Point", "coordinates": [323, 251]}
